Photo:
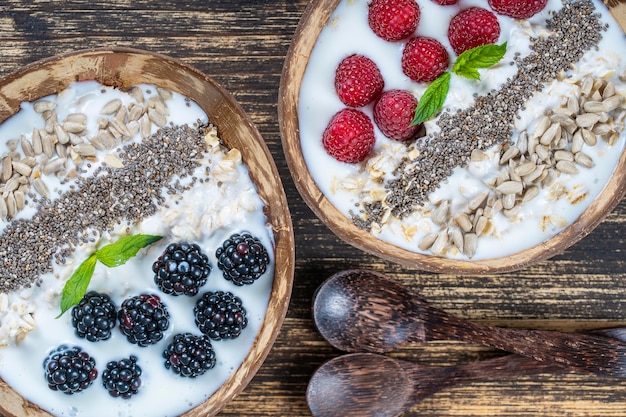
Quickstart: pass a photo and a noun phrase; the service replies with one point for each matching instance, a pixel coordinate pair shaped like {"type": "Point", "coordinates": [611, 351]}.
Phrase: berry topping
{"type": "Point", "coordinates": [349, 137]}
{"type": "Point", "coordinates": [242, 258]}
{"type": "Point", "coordinates": [394, 112]}
{"type": "Point", "coordinates": [471, 28]}
{"type": "Point", "coordinates": [518, 9]}
{"type": "Point", "coordinates": [69, 369]}
{"type": "Point", "coordinates": [424, 59]}
{"type": "Point", "coordinates": [94, 317]}
{"type": "Point", "coordinates": [182, 269]}
{"type": "Point", "coordinates": [189, 355]}
{"type": "Point", "coordinates": [393, 20]}
{"type": "Point", "coordinates": [358, 80]}
{"type": "Point", "coordinates": [122, 378]}
{"type": "Point", "coordinates": [143, 319]}
{"type": "Point", "coordinates": [220, 315]}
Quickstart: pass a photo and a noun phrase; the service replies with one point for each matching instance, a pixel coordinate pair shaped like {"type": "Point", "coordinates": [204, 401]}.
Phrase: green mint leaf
{"type": "Point", "coordinates": [484, 56]}
{"type": "Point", "coordinates": [432, 100]}
{"type": "Point", "coordinates": [116, 254]}
{"type": "Point", "coordinates": [76, 286]}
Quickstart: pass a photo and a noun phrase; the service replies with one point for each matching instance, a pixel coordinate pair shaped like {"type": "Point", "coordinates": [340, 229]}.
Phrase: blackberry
{"type": "Point", "coordinates": [189, 355]}
{"type": "Point", "coordinates": [94, 317]}
{"type": "Point", "coordinates": [220, 315]}
{"type": "Point", "coordinates": [242, 258]}
{"type": "Point", "coordinates": [143, 319]}
{"type": "Point", "coordinates": [122, 378]}
{"type": "Point", "coordinates": [69, 369]}
{"type": "Point", "coordinates": [182, 269]}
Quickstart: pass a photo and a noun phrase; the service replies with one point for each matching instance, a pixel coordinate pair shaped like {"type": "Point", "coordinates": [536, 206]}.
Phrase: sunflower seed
{"type": "Point", "coordinates": [47, 143]}
{"type": "Point", "coordinates": [584, 160]}
{"type": "Point", "coordinates": [601, 129]}
{"type": "Point", "coordinates": [134, 112]}
{"type": "Point", "coordinates": [10, 186]}
{"type": "Point", "coordinates": [510, 187]}
{"type": "Point", "coordinates": [113, 161]}
{"type": "Point", "coordinates": [522, 142]}
{"type": "Point", "coordinates": [542, 125]}
{"type": "Point", "coordinates": [62, 135]}
{"type": "Point", "coordinates": [511, 152]}
{"type": "Point", "coordinates": [21, 168]}
{"type": "Point", "coordinates": [133, 128]}
{"type": "Point", "coordinates": [551, 176]}
{"type": "Point", "coordinates": [36, 138]}
{"type": "Point", "coordinates": [427, 241]}
{"type": "Point", "coordinates": [164, 94]}
{"type": "Point", "coordinates": [481, 225]}
{"type": "Point", "coordinates": [44, 105]}
{"type": "Point", "coordinates": [594, 107]}
{"type": "Point", "coordinates": [534, 175]}
{"type": "Point", "coordinates": [97, 143]}
{"type": "Point", "coordinates": [53, 166]}
{"type": "Point", "coordinates": [74, 127]}
{"type": "Point", "coordinates": [587, 86]}
{"type": "Point", "coordinates": [7, 168]}
{"type": "Point", "coordinates": [550, 134]}
{"type": "Point", "coordinates": [470, 244]}
{"type": "Point", "coordinates": [525, 168]}
{"type": "Point", "coordinates": [562, 155]}
{"type": "Point", "coordinates": [612, 103]}
{"type": "Point", "coordinates": [478, 155]}
{"type": "Point", "coordinates": [566, 167]}
{"type": "Point", "coordinates": [440, 214]}
{"type": "Point", "coordinates": [111, 107]}
{"type": "Point", "coordinates": [145, 126]}
{"type": "Point", "coordinates": [440, 243]}
{"type": "Point", "coordinates": [512, 212]}
{"type": "Point", "coordinates": [50, 124]}
{"type": "Point", "coordinates": [589, 137]}
{"type": "Point", "coordinates": [530, 193]}
{"type": "Point", "coordinates": [542, 152]}
{"type": "Point", "coordinates": [496, 207]}
{"type": "Point", "coordinates": [137, 94]}
{"type": "Point", "coordinates": [76, 117]}
{"type": "Point", "coordinates": [40, 187]}
{"type": "Point", "coordinates": [108, 140]}
{"type": "Point", "coordinates": [612, 138]}
{"type": "Point", "coordinates": [4, 211]}
{"type": "Point", "coordinates": [85, 149]}
{"type": "Point", "coordinates": [161, 107]}
{"type": "Point", "coordinates": [478, 201]}
{"type": "Point", "coordinates": [30, 161]}
{"type": "Point", "coordinates": [26, 146]}
{"type": "Point", "coordinates": [572, 105]}
{"type": "Point", "coordinates": [587, 120]}
{"type": "Point", "coordinates": [456, 238]}
{"type": "Point", "coordinates": [120, 127]}
{"type": "Point", "coordinates": [508, 201]}
{"type": "Point", "coordinates": [103, 123]}
{"type": "Point", "coordinates": [463, 221]}
{"type": "Point", "coordinates": [20, 200]}
{"type": "Point", "coordinates": [156, 117]}
{"type": "Point", "coordinates": [11, 205]}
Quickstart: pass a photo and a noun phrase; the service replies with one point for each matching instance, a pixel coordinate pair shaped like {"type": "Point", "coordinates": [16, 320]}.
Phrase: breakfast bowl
{"type": "Point", "coordinates": [490, 183]}
{"type": "Point", "coordinates": [169, 177]}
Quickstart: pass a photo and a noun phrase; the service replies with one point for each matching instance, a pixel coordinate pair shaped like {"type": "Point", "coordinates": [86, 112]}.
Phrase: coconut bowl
{"type": "Point", "coordinates": [123, 68]}
{"type": "Point", "coordinates": [318, 15]}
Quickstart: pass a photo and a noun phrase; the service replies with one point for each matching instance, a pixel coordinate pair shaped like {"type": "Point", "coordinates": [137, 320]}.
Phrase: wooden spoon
{"type": "Point", "coordinates": [368, 384]}
{"type": "Point", "coordinates": [363, 311]}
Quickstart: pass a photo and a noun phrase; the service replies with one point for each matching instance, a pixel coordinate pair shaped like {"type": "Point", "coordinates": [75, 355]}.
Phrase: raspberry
{"type": "Point", "coordinates": [242, 258]}
{"type": "Point", "coordinates": [69, 369]}
{"type": "Point", "coordinates": [220, 315]}
{"type": "Point", "coordinates": [349, 137]}
{"type": "Point", "coordinates": [394, 112]}
{"type": "Point", "coordinates": [189, 355]}
{"type": "Point", "coordinates": [518, 9]}
{"type": "Point", "coordinates": [122, 378]}
{"type": "Point", "coordinates": [94, 317]}
{"type": "Point", "coordinates": [358, 80]}
{"type": "Point", "coordinates": [424, 59]}
{"type": "Point", "coordinates": [471, 28]}
{"type": "Point", "coordinates": [393, 20]}
{"type": "Point", "coordinates": [182, 269]}
{"type": "Point", "coordinates": [446, 2]}
{"type": "Point", "coordinates": [143, 319]}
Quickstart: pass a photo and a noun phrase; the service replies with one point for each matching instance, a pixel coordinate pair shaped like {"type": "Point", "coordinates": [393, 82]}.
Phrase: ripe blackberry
{"type": "Point", "coordinates": [143, 319]}
{"type": "Point", "coordinates": [189, 355]}
{"type": "Point", "coordinates": [220, 315]}
{"type": "Point", "coordinates": [182, 269]}
{"type": "Point", "coordinates": [94, 317]}
{"type": "Point", "coordinates": [122, 378]}
{"type": "Point", "coordinates": [242, 258]}
{"type": "Point", "coordinates": [69, 369]}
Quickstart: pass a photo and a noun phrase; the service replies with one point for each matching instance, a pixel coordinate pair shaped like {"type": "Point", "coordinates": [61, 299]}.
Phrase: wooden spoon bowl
{"type": "Point", "coordinates": [315, 17]}
{"type": "Point", "coordinates": [123, 68]}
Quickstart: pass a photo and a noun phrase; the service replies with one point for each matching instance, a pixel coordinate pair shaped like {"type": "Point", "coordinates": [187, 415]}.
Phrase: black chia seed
{"type": "Point", "coordinates": [109, 197]}
{"type": "Point", "coordinates": [576, 28]}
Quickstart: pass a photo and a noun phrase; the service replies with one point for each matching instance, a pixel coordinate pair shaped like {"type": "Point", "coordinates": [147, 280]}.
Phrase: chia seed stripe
{"type": "Point", "coordinates": [575, 28]}
{"type": "Point", "coordinates": [110, 196]}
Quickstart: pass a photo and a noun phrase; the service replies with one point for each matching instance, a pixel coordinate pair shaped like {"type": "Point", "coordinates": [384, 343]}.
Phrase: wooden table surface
{"type": "Point", "coordinates": [242, 45]}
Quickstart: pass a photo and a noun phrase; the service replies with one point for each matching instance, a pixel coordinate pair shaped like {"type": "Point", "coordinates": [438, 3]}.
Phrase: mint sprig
{"type": "Point", "coordinates": [111, 255]}
{"type": "Point", "coordinates": [466, 65]}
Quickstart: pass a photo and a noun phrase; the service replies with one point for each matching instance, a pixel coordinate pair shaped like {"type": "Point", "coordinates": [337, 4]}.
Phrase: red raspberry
{"type": "Point", "coordinates": [518, 9]}
{"type": "Point", "coordinates": [446, 2]}
{"type": "Point", "coordinates": [471, 28]}
{"type": "Point", "coordinates": [393, 20]}
{"type": "Point", "coordinates": [358, 80]}
{"type": "Point", "coordinates": [424, 59]}
{"type": "Point", "coordinates": [349, 137]}
{"type": "Point", "coordinates": [394, 112]}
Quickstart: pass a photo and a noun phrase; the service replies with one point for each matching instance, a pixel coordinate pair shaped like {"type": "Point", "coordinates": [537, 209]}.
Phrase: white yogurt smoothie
{"type": "Point", "coordinates": [220, 200]}
{"type": "Point", "coordinates": [558, 202]}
